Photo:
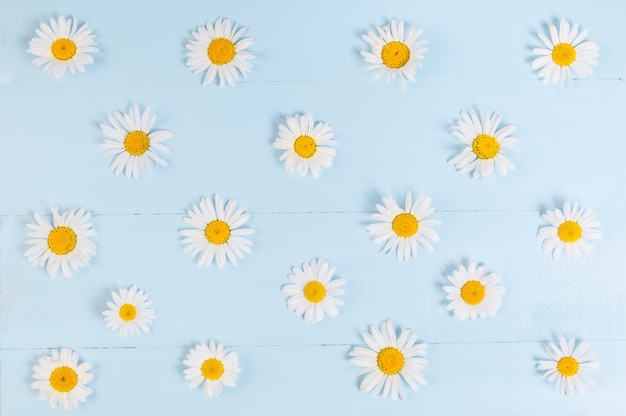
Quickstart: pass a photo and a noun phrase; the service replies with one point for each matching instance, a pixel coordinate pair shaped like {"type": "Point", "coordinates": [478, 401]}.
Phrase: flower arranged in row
{"type": "Point", "coordinates": [388, 362]}
{"type": "Point", "coordinates": [221, 52]}
{"type": "Point", "coordinates": [217, 233]}
{"type": "Point", "coordinates": [307, 146]}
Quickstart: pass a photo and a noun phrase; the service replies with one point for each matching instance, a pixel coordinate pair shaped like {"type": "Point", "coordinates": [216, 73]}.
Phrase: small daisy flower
{"type": "Point", "coordinates": [474, 293]}
{"type": "Point", "coordinates": [220, 50]}
{"type": "Point", "coordinates": [216, 232]}
{"type": "Point", "coordinates": [569, 232]}
{"type": "Point", "coordinates": [134, 142]}
{"type": "Point", "coordinates": [485, 145]}
{"type": "Point", "coordinates": [64, 244]}
{"type": "Point", "coordinates": [566, 52]}
{"type": "Point", "coordinates": [388, 360]}
{"type": "Point", "coordinates": [401, 229]}
{"type": "Point", "coordinates": [62, 46]}
{"type": "Point", "coordinates": [313, 293]}
{"type": "Point", "coordinates": [61, 380]}
{"type": "Point", "coordinates": [569, 366]}
{"type": "Point", "coordinates": [306, 145]}
{"type": "Point", "coordinates": [129, 312]}
{"type": "Point", "coordinates": [394, 53]}
{"type": "Point", "coordinates": [212, 365]}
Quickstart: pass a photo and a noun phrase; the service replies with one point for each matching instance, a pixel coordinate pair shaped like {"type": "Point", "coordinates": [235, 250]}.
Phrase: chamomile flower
{"type": "Point", "coordinates": [216, 232]}
{"type": "Point", "coordinates": [129, 312]}
{"type": "Point", "coordinates": [62, 46]}
{"type": "Point", "coordinates": [485, 145]}
{"type": "Point", "coordinates": [570, 232]}
{"type": "Point", "coordinates": [307, 146]}
{"type": "Point", "coordinates": [474, 292]}
{"type": "Point", "coordinates": [565, 52]}
{"type": "Point", "coordinates": [394, 53]}
{"type": "Point", "coordinates": [134, 142]}
{"type": "Point", "coordinates": [569, 366]}
{"type": "Point", "coordinates": [61, 380]}
{"type": "Point", "coordinates": [213, 366]}
{"type": "Point", "coordinates": [313, 292]}
{"type": "Point", "coordinates": [64, 244]}
{"type": "Point", "coordinates": [388, 360]}
{"type": "Point", "coordinates": [401, 229]}
{"type": "Point", "coordinates": [220, 50]}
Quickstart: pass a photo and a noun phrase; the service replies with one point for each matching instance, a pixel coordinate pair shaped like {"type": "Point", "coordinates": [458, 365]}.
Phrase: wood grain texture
{"type": "Point", "coordinates": [390, 141]}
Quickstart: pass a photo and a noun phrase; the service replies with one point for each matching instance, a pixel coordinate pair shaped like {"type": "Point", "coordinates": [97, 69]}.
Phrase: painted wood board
{"type": "Point", "coordinates": [390, 141]}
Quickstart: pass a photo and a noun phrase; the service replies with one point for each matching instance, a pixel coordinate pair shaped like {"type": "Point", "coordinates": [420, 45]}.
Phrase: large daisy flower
{"type": "Point", "coordinates": [129, 312]}
{"type": "Point", "coordinates": [313, 293]}
{"type": "Point", "coordinates": [212, 365]}
{"type": "Point", "coordinates": [306, 145]}
{"type": "Point", "coordinates": [569, 366]}
{"type": "Point", "coordinates": [62, 46]}
{"type": "Point", "coordinates": [485, 145]}
{"type": "Point", "coordinates": [474, 293]}
{"type": "Point", "coordinates": [401, 229]}
{"type": "Point", "coordinates": [388, 359]}
{"type": "Point", "coordinates": [569, 232]}
{"type": "Point", "coordinates": [60, 379]}
{"type": "Point", "coordinates": [394, 53]}
{"type": "Point", "coordinates": [220, 51]}
{"type": "Point", "coordinates": [216, 232]}
{"type": "Point", "coordinates": [64, 244]}
{"type": "Point", "coordinates": [566, 52]}
{"type": "Point", "coordinates": [134, 142]}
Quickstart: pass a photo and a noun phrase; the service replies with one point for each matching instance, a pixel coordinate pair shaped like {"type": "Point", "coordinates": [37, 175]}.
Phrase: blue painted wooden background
{"type": "Point", "coordinates": [390, 141]}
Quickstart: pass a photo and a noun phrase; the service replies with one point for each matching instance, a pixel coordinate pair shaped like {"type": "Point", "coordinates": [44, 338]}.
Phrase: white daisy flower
{"type": "Point", "coordinates": [474, 293]}
{"type": "Point", "coordinates": [63, 244]}
{"type": "Point", "coordinates": [570, 232]}
{"type": "Point", "coordinates": [313, 293]}
{"type": "Point", "coordinates": [220, 51]}
{"type": "Point", "coordinates": [306, 145]}
{"type": "Point", "coordinates": [129, 312]}
{"type": "Point", "coordinates": [216, 232]}
{"type": "Point", "coordinates": [394, 53]}
{"type": "Point", "coordinates": [212, 365]}
{"type": "Point", "coordinates": [388, 359]}
{"type": "Point", "coordinates": [401, 229]}
{"type": "Point", "coordinates": [60, 379]}
{"type": "Point", "coordinates": [566, 52]}
{"type": "Point", "coordinates": [134, 142]}
{"type": "Point", "coordinates": [62, 46]}
{"type": "Point", "coordinates": [569, 366]}
{"type": "Point", "coordinates": [485, 145]}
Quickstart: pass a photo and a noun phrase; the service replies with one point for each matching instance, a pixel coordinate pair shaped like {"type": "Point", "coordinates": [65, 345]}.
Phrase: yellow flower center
{"type": "Point", "coordinates": [390, 361]}
{"type": "Point", "coordinates": [128, 312]}
{"type": "Point", "coordinates": [221, 51]}
{"type": "Point", "coordinates": [570, 231]}
{"type": "Point", "coordinates": [563, 54]}
{"type": "Point", "coordinates": [63, 379]}
{"type": "Point", "coordinates": [567, 366]}
{"type": "Point", "coordinates": [63, 49]}
{"type": "Point", "coordinates": [473, 292]}
{"type": "Point", "coordinates": [136, 143]}
{"type": "Point", "coordinates": [485, 146]}
{"type": "Point", "coordinates": [405, 225]}
{"type": "Point", "coordinates": [314, 291]}
{"type": "Point", "coordinates": [212, 369]}
{"type": "Point", "coordinates": [217, 232]}
{"type": "Point", "coordinates": [62, 240]}
{"type": "Point", "coordinates": [305, 146]}
{"type": "Point", "coordinates": [395, 54]}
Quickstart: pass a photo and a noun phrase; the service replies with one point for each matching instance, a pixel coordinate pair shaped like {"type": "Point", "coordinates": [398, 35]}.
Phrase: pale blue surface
{"type": "Point", "coordinates": [390, 141]}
